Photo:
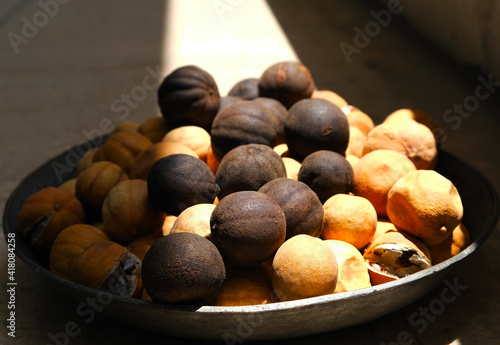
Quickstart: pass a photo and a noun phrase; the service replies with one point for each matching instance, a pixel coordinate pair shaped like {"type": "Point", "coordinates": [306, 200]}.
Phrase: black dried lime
{"type": "Point", "coordinates": [183, 267]}
{"type": "Point", "coordinates": [327, 173]}
{"type": "Point", "coordinates": [315, 124]}
{"type": "Point", "coordinates": [248, 167]}
{"type": "Point", "coordinates": [241, 123]}
{"type": "Point", "coordinates": [178, 181]}
{"type": "Point", "coordinates": [247, 227]}
{"type": "Point", "coordinates": [287, 81]}
{"type": "Point", "coordinates": [303, 210]}
{"type": "Point", "coordinates": [189, 96]}
{"type": "Point", "coordinates": [246, 89]}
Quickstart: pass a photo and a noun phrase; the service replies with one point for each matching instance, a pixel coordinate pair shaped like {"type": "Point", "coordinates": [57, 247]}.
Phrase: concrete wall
{"type": "Point", "coordinates": [468, 30]}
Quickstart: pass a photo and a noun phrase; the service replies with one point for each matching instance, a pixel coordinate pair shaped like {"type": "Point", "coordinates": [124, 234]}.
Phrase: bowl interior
{"type": "Point", "coordinates": [481, 213]}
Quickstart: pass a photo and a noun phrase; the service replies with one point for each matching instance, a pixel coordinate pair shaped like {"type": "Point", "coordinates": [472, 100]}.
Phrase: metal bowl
{"type": "Point", "coordinates": [278, 320]}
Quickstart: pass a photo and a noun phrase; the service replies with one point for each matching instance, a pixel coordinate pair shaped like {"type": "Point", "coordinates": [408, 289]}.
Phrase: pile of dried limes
{"type": "Point", "coordinates": [275, 192]}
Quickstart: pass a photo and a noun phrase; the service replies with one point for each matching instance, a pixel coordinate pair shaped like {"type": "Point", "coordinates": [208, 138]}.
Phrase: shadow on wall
{"type": "Point", "coordinates": [467, 30]}
{"type": "Point", "coordinates": [366, 52]}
